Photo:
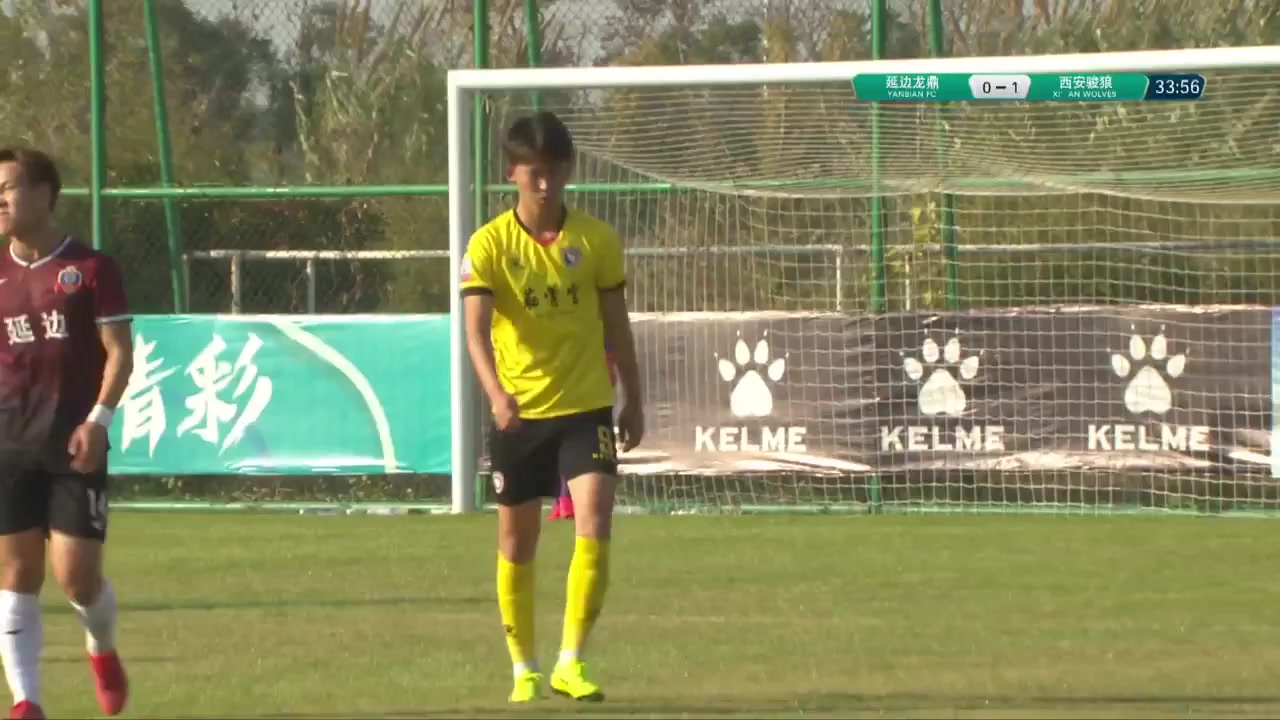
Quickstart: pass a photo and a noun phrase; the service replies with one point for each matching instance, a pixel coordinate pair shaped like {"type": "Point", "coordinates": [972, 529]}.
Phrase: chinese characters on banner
{"type": "Point", "coordinates": [209, 405]}
{"type": "Point", "coordinates": [212, 395]}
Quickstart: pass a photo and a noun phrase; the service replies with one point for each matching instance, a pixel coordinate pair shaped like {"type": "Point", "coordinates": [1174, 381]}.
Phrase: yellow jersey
{"type": "Point", "coordinates": [548, 336]}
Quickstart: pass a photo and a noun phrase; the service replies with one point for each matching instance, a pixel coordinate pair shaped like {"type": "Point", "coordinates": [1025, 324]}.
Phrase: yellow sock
{"type": "Point", "coordinates": [588, 578]}
{"type": "Point", "coordinates": [515, 602]}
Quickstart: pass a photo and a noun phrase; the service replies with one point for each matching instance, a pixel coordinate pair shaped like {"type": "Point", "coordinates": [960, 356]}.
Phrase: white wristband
{"type": "Point", "coordinates": [102, 415]}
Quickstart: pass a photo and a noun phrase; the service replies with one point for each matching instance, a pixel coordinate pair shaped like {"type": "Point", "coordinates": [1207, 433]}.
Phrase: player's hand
{"type": "Point", "coordinates": [630, 426]}
{"type": "Point", "coordinates": [88, 447]}
{"type": "Point", "coordinates": [506, 412]}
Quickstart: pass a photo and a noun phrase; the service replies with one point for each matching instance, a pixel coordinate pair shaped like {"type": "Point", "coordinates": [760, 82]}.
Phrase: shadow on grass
{"type": "Point", "coordinates": [840, 704]}
{"type": "Point", "coordinates": [284, 604]}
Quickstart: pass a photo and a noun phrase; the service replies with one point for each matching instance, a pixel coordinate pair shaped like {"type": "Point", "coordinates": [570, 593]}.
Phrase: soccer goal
{"type": "Point", "coordinates": [1060, 305]}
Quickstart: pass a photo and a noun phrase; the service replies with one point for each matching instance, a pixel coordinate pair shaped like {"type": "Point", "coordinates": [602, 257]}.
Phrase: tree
{"type": "Point", "coordinates": [352, 91]}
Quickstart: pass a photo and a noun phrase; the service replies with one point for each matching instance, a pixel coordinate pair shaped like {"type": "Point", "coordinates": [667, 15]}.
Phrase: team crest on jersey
{"type": "Point", "coordinates": [69, 279]}
{"type": "Point", "coordinates": [571, 256]}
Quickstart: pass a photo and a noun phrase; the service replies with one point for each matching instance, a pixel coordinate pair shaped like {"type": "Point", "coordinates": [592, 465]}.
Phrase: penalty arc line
{"type": "Point", "coordinates": [357, 378]}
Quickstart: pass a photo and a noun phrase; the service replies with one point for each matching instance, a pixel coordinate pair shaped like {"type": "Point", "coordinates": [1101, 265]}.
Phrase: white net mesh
{"type": "Point", "coordinates": [748, 213]}
{"type": "Point", "coordinates": [816, 141]}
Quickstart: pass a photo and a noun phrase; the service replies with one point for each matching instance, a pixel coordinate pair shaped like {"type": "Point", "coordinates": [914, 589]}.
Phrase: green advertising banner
{"type": "Point", "coordinates": [307, 395]}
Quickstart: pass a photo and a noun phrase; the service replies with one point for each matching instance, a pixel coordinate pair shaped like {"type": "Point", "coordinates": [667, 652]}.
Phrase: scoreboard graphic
{"type": "Point", "coordinates": [1079, 87]}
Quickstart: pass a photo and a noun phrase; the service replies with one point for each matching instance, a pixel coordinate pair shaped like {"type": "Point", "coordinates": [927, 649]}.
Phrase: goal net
{"type": "Point", "coordinates": [843, 305]}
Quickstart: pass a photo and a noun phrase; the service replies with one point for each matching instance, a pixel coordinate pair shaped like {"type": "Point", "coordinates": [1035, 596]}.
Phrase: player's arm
{"type": "Point", "coordinates": [117, 341]}
{"type": "Point", "coordinates": [88, 445]}
{"type": "Point", "coordinates": [617, 332]}
{"type": "Point", "coordinates": [477, 307]}
{"type": "Point", "coordinates": [611, 282]}
{"type": "Point", "coordinates": [111, 313]}
{"type": "Point", "coordinates": [477, 312]}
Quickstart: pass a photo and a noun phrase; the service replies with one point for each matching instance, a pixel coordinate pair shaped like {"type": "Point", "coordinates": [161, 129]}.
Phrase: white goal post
{"type": "Point", "coordinates": [463, 85]}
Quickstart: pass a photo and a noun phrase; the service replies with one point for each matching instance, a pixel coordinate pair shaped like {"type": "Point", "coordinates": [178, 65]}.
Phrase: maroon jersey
{"type": "Point", "coordinates": [52, 359]}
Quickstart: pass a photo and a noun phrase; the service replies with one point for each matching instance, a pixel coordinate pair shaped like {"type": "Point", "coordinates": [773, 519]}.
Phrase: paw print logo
{"type": "Point", "coordinates": [941, 394]}
{"type": "Point", "coordinates": [1148, 388]}
{"type": "Point", "coordinates": [751, 395]}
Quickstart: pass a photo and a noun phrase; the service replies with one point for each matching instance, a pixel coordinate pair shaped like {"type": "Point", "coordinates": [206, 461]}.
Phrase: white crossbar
{"type": "Point", "coordinates": [1190, 60]}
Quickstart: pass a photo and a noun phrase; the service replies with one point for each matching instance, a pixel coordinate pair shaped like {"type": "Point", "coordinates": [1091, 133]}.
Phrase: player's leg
{"type": "Point", "coordinates": [589, 568]}
{"type": "Point", "coordinates": [518, 526]}
{"type": "Point", "coordinates": [78, 531]}
{"type": "Point", "coordinates": [524, 473]}
{"type": "Point", "coordinates": [562, 509]}
{"type": "Point", "coordinates": [588, 456]}
{"type": "Point", "coordinates": [24, 503]}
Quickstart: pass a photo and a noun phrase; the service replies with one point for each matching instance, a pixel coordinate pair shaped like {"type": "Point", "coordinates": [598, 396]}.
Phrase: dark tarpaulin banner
{"type": "Point", "coordinates": [1037, 389]}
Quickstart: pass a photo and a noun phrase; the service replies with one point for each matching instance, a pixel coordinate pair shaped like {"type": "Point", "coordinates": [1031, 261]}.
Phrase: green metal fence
{"type": "Point", "coordinates": [217, 126]}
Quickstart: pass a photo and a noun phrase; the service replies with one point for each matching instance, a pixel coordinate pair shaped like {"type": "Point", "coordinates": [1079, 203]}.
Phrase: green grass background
{"type": "Point", "coordinates": [289, 616]}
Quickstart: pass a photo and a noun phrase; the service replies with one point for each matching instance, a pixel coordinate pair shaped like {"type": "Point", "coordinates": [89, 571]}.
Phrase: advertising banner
{"type": "Point", "coordinates": [1186, 389]}
{"type": "Point", "coordinates": [1038, 389]}
{"type": "Point", "coordinates": [286, 395]}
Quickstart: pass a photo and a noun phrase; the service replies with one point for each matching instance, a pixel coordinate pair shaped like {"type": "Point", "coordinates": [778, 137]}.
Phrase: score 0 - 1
{"type": "Point", "coordinates": [999, 87]}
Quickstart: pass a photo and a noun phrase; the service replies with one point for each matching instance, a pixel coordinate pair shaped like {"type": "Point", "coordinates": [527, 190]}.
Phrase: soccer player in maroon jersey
{"type": "Point", "coordinates": [64, 363]}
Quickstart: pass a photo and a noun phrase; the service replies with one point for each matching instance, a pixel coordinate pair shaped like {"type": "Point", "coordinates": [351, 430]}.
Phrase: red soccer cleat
{"type": "Point", "coordinates": [110, 681]}
{"type": "Point", "coordinates": [26, 710]}
{"type": "Point", "coordinates": [562, 509]}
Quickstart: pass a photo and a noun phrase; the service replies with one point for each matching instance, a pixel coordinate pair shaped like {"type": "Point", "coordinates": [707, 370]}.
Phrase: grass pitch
{"type": "Point", "coordinates": [288, 617]}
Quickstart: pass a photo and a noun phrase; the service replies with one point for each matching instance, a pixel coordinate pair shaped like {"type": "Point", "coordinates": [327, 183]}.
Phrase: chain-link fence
{"type": "Point", "coordinates": [351, 93]}
{"type": "Point", "coordinates": [286, 93]}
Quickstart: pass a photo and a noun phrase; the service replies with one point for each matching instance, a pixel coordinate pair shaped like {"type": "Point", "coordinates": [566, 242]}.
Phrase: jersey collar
{"type": "Point", "coordinates": [56, 252]}
{"type": "Point", "coordinates": [564, 217]}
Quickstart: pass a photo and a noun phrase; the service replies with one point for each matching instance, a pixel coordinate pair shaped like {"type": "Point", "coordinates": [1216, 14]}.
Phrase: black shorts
{"type": "Point", "coordinates": [37, 493]}
{"type": "Point", "coordinates": [531, 462]}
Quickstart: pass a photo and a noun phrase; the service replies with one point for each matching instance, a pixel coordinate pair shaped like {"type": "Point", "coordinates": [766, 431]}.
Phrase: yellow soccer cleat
{"type": "Point", "coordinates": [528, 687]}
{"type": "Point", "coordinates": [568, 680]}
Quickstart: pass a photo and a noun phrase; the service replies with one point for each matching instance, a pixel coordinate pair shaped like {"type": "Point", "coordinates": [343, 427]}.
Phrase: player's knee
{"type": "Point", "coordinates": [593, 525]}
{"type": "Point", "coordinates": [77, 567]}
{"type": "Point", "coordinates": [593, 499]}
{"type": "Point", "coordinates": [517, 548]}
{"type": "Point", "coordinates": [22, 576]}
{"type": "Point", "coordinates": [80, 584]}
{"type": "Point", "coordinates": [594, 522]}
{"type": "Point", "coordinates": [22, 561]}
{"type": "Point", "coordinates": [518, 530]}
{"type": "Point", "coordinates": [80, 579]}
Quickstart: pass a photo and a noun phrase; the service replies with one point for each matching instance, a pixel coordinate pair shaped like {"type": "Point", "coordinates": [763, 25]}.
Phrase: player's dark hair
{"type": "Point", "coordinates": [37, 168]}
{"type": "Point", "coordinates": [538, 138]}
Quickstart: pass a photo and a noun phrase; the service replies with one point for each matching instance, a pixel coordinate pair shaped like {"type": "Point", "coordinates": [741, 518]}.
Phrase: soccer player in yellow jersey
{"type": "Point", "coordinates": [544, 289]}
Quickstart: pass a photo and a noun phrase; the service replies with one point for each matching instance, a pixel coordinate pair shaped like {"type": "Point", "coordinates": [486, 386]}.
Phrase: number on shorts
{"type": "Point", "coordinates": [97, 508]}
{"type": "Point", "coordinates": [607, 449]}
